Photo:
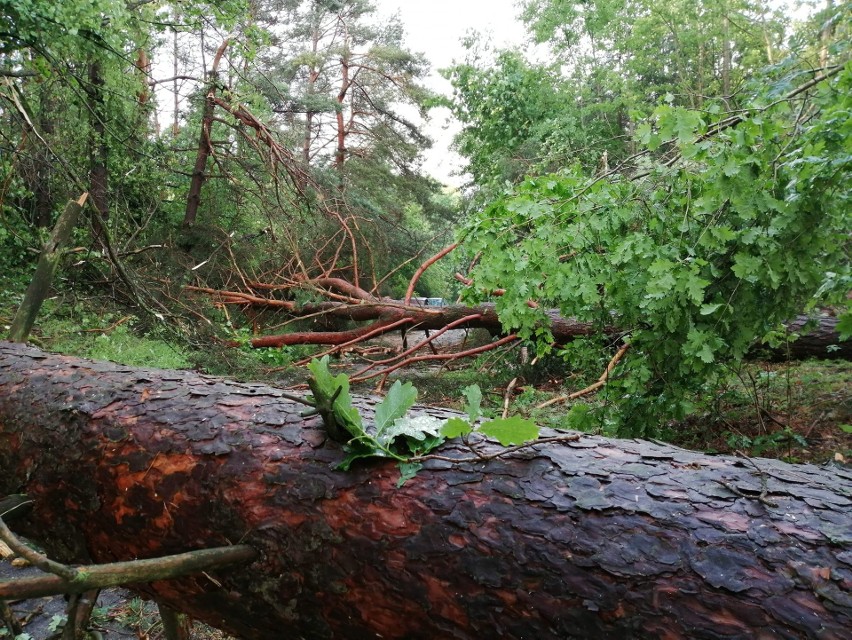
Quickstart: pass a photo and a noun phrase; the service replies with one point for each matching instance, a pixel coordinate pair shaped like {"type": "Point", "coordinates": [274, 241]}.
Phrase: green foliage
{"type": "Point", "coordinates": [473, 408]}
{"type": "Point", "coordinates": [697, 260]}
{"type": "Point", "coordinates": [506, 431]}
{"type": "Point", "coordinates": [770, 442]}
{"type": "Point", "coordinates": [332, 398]}
{"type": "Point", "coordinates": [395, 434]}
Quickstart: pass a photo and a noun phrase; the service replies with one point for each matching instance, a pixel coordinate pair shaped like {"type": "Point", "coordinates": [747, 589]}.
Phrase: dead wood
{"type": "Point", "coordinates": [588, 538]}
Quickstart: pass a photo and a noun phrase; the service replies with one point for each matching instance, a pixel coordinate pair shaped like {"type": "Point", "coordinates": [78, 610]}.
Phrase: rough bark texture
{"type": "Point", "coordinates": [590, 539]}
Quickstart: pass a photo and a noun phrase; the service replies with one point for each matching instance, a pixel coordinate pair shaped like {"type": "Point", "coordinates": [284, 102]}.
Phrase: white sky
{"type": "Point", "coordinates": [436, 28]}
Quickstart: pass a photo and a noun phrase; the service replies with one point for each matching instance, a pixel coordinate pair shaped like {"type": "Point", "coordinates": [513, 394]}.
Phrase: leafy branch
{"type": "Point", "coordinates": [409, 439]}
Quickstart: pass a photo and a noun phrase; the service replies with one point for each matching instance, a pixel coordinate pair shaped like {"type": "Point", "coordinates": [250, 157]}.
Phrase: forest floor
{"type": "Point", "coordinates": [118, 615]}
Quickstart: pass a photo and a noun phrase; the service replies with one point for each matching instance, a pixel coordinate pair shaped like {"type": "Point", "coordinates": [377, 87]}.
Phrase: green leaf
{"type": "Point", "coordinates": [514, 430]}
{"type": "Point", "coordinates": [731, 167]}
{"type": "Point", "coordinates": [416, 427]}
{"type": "Point", "coordinates": [399, 399]}
{"type": "Point", "coordinates": [456, 427]}
{"type": "Point", "coordinates": [706, 354]}
{"type": "Point", "coordinates": [844, 325]}
{"type": "Point", "coordinates": [846, 428]}
{"type": "Point", "coordinates": [579, 418]}
{"type": "Point", "coordinates": [407, 470]}
{"type": "Point", "coordinates": [708, 309]}
{"type": "Point", "coordinates": [326, 386]}
{"type": "Point", "coordinates": [473, 408]}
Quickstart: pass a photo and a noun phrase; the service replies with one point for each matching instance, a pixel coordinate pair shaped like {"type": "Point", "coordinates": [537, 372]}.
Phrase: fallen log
{"type": "Point", "coordinates": [595, 538]}
{"type": "Point", "coordinates": [816, 336]}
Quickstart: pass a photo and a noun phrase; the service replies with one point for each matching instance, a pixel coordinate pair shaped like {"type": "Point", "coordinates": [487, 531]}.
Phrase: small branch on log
{"type": "Point", "coordinates": [574, 437]}
{"type": "Point", "coordinates": [64, 572]}
{"type": "Point", "coordinates": [592, 387]}
{"type": "Point", "coordinates": [121, 573]}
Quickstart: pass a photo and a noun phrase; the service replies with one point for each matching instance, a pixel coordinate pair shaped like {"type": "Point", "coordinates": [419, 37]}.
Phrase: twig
{"type": "Point", "coordinates": [507, 397]}
{"type": "Point", "coordinates": [421, 344]}
{"type": "Point", "coordinates": [814, 424]}
{"type": "Point", "coordinates": [764, 487]}
{"type": "Point", "coordinates": [422, 268]}
{"type": "Point", "coordinates": [118, 573]}
{"type": "Point", "coordinates": [44, 563]}
{"type": "Point", "coordinates": [592, 387]}
{"type": "Point", "coordinates": [441, 356]}
{"type": "Point", "coordinates": [483, 458]}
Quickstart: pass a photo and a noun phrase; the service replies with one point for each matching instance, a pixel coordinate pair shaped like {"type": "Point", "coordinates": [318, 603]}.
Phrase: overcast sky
{"type": "Point", "coordinates": [436, 28]}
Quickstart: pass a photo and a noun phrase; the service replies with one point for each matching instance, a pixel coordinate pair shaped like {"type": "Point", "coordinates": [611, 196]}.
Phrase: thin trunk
{"type": "Point", "coordinates": [49, 259]}
{"type": "Point", "coordinates": [98, 174]}
{"type": "Point", "coordinates": [340, 153]}
{"type": "Point", "coordinates": [176, 106]}
{"type": "Point", "coordinates": [826, 34]}
{"type": "Point", "coordinates": [193, 199]}
{"type": "Point", "coordinates": [313, 75]}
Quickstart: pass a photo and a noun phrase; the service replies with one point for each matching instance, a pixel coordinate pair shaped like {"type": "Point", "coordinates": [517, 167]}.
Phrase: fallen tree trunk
{"type": "Point", "coordinates": [818, 336]}
{"type": "Point", "coordinates": [595, 538]}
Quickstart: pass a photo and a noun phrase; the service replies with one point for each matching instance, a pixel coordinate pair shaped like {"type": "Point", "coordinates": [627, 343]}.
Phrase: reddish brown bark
{"type": "Point", "coordinates": [589, 539]}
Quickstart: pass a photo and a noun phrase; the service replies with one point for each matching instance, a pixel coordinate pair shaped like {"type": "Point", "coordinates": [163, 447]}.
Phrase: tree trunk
{"type": "Point", "coordinates": [193, 198]}
{"type": "Point", "coordinates": [818, 338]}
{"type": "Point", "coordinates": [345, 83]}
{"type": "Point", "coordinates": [98, 151]}
{"type": "Point", "coordinates": [590, 539]}
{"type": "Point", "coordinates": [39, 286]}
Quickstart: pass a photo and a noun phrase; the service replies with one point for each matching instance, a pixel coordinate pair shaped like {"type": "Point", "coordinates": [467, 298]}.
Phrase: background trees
{"type": "Point", "coordinates": [674, 172]}
{"type": "Point", "coordinates": [705, 222]}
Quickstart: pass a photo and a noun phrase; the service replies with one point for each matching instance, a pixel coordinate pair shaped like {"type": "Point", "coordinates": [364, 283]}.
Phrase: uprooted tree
{"type": "Point", "coordinates": [587, 538]}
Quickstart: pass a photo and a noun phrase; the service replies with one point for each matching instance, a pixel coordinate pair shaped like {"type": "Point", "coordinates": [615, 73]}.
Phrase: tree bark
{"type": "Point", "coordinates": [590, 539]}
